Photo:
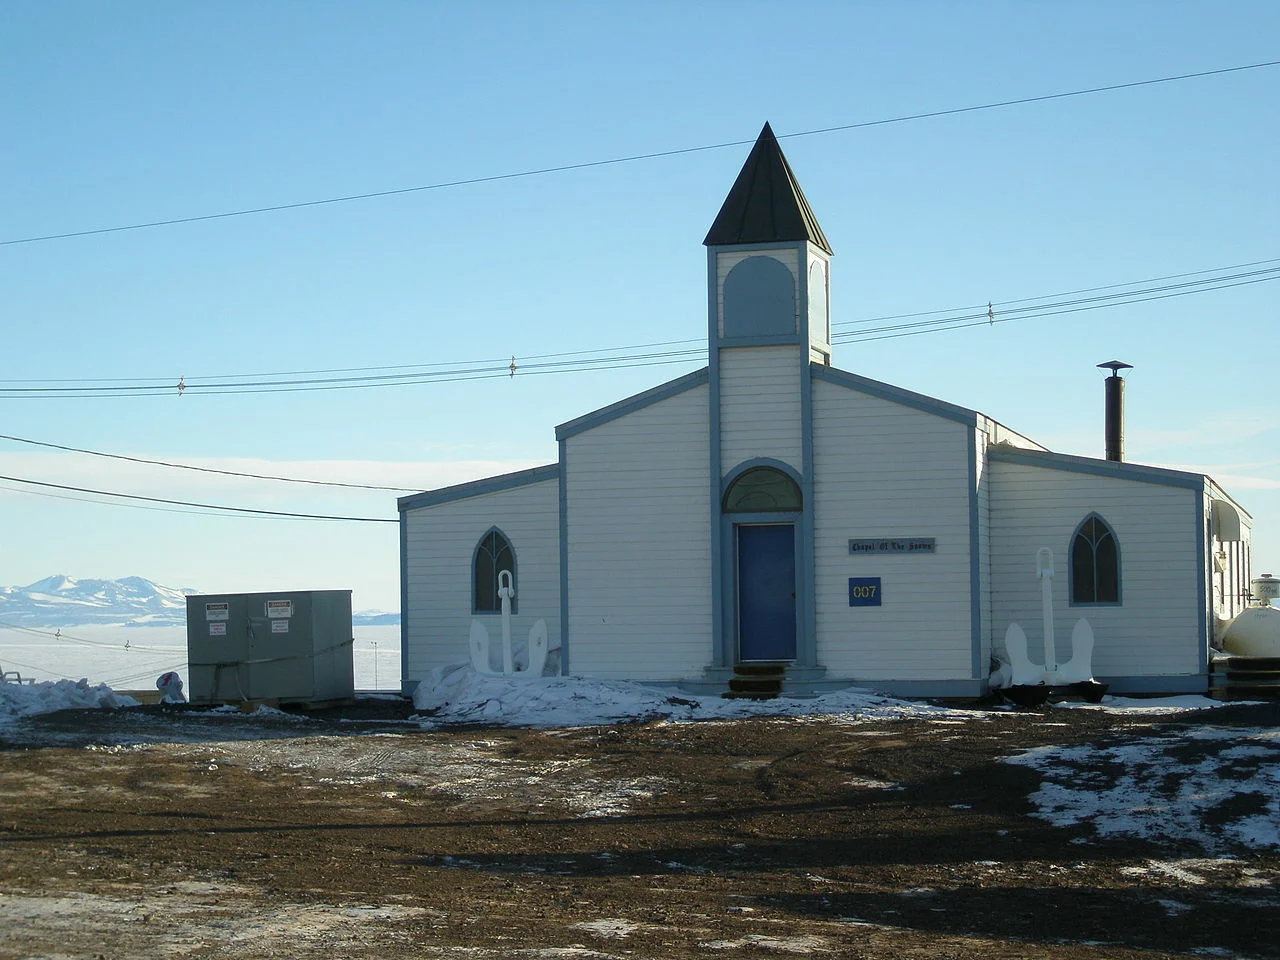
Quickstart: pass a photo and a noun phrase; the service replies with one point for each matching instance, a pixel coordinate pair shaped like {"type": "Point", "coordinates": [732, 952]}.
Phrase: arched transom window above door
{"type": "Point", "coordinates": [763, 490]}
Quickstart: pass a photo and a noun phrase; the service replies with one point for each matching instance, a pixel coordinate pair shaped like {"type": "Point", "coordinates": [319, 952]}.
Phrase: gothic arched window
{"type": "Point", "coordinates": [1095, 563]}
{"type": "Point", "coordinates": [493, 555]}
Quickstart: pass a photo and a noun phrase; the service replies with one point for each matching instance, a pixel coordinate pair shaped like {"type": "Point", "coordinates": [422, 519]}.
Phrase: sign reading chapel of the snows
{"type": "Point", "coordinates": [894, 545]}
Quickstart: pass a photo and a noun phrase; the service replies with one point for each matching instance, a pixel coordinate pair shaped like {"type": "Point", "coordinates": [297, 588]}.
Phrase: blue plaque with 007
{"type": "Point", "coordinates": [864, 591]}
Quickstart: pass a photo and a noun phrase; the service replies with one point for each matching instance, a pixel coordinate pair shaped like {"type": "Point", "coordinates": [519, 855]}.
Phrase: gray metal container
{"type": "Point", "coordinates": [290, 646]}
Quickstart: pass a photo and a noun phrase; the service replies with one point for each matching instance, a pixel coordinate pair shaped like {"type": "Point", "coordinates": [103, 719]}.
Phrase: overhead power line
{"type": "Point", "coordinates": [31, 666]}
{"type": "Point", "coordinates": [1025, 308]}
{"type": "Point", "coordinates": [504, 363]}
{"type": "Point", "coordinates": [988, 315]}
{"type": "Point", "coordinates": [206, 506]}
{"type": "Point", "coordinates": [655, 155]}
{"type": "Point", "coordinates": [119, 681]}
{"type": "Point", "coordinates": [128, 505]}
{"type": "Point", "coordinates": [70, 638]}
{"type": "Point", "coordinates": [478, 370]}
{"type": "Point", "coordinates": [974, 316]}
{"type": "Point", "coordinates": [1065, 293]}
{"type": "Point", "coordinates": [188, 466]}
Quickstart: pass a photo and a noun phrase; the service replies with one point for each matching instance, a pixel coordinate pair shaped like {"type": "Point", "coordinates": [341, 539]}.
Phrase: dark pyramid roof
{"type": "Point", "coordinates": [766, 204]}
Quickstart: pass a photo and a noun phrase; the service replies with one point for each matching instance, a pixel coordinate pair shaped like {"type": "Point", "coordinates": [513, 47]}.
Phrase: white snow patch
{"type": "Point", "coordinates": [608, 928]}
{"type": "Point", "coordinates": [27, 699]}
{"type": "Point", "coordinates": [1228, 795]}
{"type": "Point", "coordinates": [870, 783]}
{"type": "Point", "coordinates": [223, 919]}
{"type": "Point", "coordinates": [1191, 871]}
{"type": "Point", "coordinates": [806, 944]}
{"type": "Point", "coordinates": [1149, 705]}
{"type": "Point", "coordinates": [457, 694]}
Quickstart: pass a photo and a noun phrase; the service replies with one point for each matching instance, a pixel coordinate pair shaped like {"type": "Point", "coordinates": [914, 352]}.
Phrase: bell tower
{"type": "Point", "coordinates": [768, 322]}
{"type": "Point", "coordinates": [767, 284]}
{"type": "Point", "coordinates": [768, 261]}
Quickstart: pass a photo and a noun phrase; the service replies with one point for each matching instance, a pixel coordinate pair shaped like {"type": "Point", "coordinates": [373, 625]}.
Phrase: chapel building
{"type": "Point", "coordinates": [773, 509]}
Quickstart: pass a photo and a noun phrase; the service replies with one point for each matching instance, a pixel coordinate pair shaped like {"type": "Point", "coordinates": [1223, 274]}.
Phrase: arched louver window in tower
{"type": "Point", "coordinates": [493, 555]}
{"type": "Point", "coordinates": [759, 299]}
{"type": "Point", "coordinates": [1095, 563]}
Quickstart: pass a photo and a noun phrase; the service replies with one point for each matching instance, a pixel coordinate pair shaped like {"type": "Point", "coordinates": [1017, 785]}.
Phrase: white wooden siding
{"type": "Point", "coordinates": [639, 543]}
{"type": "Point", "coordinates": [1155, 631]}
{"type": "Point", "coordinates": [886, 470]}
{"type": "Point", "coordinates": [760, 405]}
{"type": "Point", "coordinates": [441, 541]}
{"type": "Point", "coordinates": [982, 474]}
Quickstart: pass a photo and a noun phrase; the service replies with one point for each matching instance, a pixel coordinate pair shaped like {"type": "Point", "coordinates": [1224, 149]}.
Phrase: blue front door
{"type": "Point", "coordinates": [766, 591]}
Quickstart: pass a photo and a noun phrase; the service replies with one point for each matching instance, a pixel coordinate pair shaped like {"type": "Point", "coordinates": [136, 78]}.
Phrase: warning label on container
{"type": "Point", "coordinates": [280, 608]}
{"type": "Point", "coordinates": [279, 626]}
{"type": "Point", "coordinates": [217, 611]}
{"type": "Point", "coordinates": [218, 629]}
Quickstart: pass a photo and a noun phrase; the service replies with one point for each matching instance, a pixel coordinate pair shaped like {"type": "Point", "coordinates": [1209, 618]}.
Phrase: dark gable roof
{"type": "Point", "coordinates": [766, 203]}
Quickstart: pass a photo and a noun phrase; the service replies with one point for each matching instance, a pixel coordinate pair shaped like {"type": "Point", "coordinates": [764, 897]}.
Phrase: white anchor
{"type": "Point", "coordinates": [536, 649]}
{"type": "Point", "coordinates": [1078, 669]}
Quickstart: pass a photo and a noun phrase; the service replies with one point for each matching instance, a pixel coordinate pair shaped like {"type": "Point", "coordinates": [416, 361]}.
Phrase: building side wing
{"type": "Point", "coordinates": [438, 546]}
{"type": "Point", "coordinates": [1157, 627]}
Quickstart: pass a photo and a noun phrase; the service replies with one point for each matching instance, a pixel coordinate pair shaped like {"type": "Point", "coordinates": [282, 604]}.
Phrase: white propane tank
{"type": "Point", "coordinates": [1254, 633]}
{"type": "Point", "coordinates": [1265, 588]}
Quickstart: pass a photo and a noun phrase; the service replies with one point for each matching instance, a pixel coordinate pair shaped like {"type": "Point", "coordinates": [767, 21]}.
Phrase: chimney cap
{"type": "Point", "coordinates": [1115, 366]}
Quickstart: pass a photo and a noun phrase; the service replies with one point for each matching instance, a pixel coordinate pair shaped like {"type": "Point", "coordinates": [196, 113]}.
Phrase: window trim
{"type": "Point", "coordinates": [761, 467]}
{"type": "Point", "coordinates": [1071, 565]}
{"type": "Point", "coordinates": [515, 574]}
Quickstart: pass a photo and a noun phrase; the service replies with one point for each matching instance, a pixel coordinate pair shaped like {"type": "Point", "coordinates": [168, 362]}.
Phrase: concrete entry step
{"type": "Point", "coordinates": [768, 685]}
{"type": "Point", "coordinates": [756, 681]}
{"type": "Point", "coordinates": [760, 669]}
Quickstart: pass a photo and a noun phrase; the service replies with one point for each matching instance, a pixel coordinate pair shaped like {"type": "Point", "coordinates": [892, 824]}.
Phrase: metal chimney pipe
{"type": "Point", "coordinates": [1115, 409]}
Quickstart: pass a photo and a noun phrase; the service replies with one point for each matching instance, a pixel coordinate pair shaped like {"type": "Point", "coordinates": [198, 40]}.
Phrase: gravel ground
{"type": "Point", "coordinates": [179, 832]}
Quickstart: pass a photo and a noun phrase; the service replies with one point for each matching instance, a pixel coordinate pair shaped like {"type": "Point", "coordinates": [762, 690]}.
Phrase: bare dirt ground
{"type": "Point", "coordinates": [165, 832]}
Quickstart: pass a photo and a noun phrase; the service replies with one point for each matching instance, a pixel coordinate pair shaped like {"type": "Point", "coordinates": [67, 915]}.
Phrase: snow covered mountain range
{"type": "Point", "coordinates": [62, 601]}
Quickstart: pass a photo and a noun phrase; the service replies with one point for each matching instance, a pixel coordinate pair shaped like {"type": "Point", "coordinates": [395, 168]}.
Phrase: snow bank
{"type": "Point", "coordinates": [24, 699]}
{"type": "Point", "coordinates": [1156, 705]}
{"type": "Point", "coordinates": [457, 694]}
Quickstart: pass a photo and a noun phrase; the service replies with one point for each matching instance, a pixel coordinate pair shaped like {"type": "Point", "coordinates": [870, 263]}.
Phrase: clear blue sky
{"type": "Point", "coordinates": [114, 114]}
